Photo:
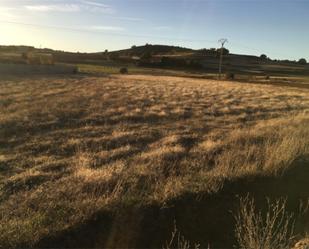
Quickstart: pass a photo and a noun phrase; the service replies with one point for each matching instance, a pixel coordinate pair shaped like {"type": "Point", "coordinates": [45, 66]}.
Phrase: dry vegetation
{"type": "Point", "coordinates": [255, 230]}
{"type": "Point", "coordinates": [177, 240]}
{"type": "Point", "coordinates": [70, 147]}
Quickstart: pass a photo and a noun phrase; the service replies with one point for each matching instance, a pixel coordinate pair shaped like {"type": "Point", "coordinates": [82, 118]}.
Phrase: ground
{"type": "Point", "coordinates": [73, 145]}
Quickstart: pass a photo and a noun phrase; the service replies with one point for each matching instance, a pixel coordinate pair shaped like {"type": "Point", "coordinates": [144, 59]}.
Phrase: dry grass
{"type": "Point", "coordinates": [258, 231]}
{"type": "Point", "coordinates": [177, 240]}
{"type": "Point", "coordinates": [70, 147]}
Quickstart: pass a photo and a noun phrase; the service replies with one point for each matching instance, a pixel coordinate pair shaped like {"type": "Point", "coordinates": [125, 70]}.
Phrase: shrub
{"type": "Point", "coordinates": [75, 70]}
{"type": "Point", "coordinates": [271, 230]}
{"type": "Point", "coordinates": [123, 70]}
{"type": "Point", "coordinates": [24, 56]}
{"type": "Point", "coordinates": [230, 76]}
{"type": "Point", "coordinates": [179, 241]}
{"type": "Point", "coordinates": [302, 61]}
{"type": "Point", "coordinates": [263, 56]}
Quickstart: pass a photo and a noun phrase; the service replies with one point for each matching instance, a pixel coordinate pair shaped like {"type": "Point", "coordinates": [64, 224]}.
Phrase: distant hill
{"type": "Point", "coordinates": [148, 49]}
{"type": "Point", "coordinates": [161, 56]}
{"type": "Point", "coordinates": [152, 49]}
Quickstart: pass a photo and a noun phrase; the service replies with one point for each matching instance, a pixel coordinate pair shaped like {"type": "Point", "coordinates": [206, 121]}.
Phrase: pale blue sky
{"type": "Point", "coordinates": [278, 28]}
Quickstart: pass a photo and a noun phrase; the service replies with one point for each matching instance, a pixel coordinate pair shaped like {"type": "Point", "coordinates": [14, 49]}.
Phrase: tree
{"type": "Point", "coordinates": [263, 56]}
{"type": "Point", "coordinates": [25, 55]}
{"type": "Point", "coordinates": [302, 61]}
{"type": "Point", "coordinates": [146, 55]}
{"type": "Point", "coordinates": [106, 54]}
{"type": "Point", "coordinates": [225, 51]}
{"type": "Point", "coordinates": [123, 70]}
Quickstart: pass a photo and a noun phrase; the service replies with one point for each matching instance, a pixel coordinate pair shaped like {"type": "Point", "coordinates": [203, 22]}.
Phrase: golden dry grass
{"type": "Point", "coordinates": [72, 146]}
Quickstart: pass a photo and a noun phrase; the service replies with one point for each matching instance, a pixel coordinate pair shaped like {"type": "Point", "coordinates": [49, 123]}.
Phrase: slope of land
{"type": "Point", "coordinates": [74, 147]}
{"type": "Point", "coordinates": [166, 57]}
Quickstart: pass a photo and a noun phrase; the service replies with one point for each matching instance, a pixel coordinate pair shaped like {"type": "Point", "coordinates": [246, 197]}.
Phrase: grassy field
{"type": "Point", "coordinates": [275, 78]}
{"type": "Point", "coordinates": [114, 69]}
{"type": "Point", "coordinates": [73, 146]}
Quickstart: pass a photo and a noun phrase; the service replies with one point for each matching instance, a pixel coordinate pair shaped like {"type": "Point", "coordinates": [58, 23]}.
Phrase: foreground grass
{"type": "Point", "coordinates": [71, 147]}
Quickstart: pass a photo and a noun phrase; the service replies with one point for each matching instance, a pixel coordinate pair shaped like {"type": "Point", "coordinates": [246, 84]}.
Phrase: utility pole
{"type": "Point", "coordinates": [222, 42]}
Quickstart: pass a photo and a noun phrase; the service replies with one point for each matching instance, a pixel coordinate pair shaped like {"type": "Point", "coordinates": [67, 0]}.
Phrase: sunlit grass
{"type": "Point", "coordinates": [73, 146]}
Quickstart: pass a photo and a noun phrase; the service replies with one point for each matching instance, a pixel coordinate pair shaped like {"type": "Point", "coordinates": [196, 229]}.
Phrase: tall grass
{"type": "Point", "coordinates": [270, 230]}
{"type": "Point", "coordinates": [178, 241]}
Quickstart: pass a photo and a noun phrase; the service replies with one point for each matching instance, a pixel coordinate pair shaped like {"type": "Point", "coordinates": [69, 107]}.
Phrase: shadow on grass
{"type": "Point", "coordinates": [202, 218]}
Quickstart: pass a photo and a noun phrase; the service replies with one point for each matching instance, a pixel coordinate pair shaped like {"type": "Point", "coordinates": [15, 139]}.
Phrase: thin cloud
{"type": "Point", "coordinates": [105, 28]}
{"type": "Point", "coordinates": [84, 5]}
{"type": "Point", "coordinates": [54, 8]}
{"type": "Point", "coordinates": [132, 19]}
{"type": "Point", "coordinates": [96, 7]}
{"type": "Point", "coordinates": [102, 5]}
{"type": "Point", "coordinates": [161, 28]}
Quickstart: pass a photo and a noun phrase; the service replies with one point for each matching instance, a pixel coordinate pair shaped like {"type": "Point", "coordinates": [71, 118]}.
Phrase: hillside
{"type": "Point", "coordinates": [153, 49]}
{"type": "Point", "coordinates": [149, 49]}
{"type": "Point", "coordinates": [77, 56]}
{"type": "Point", "coordinates": [200, 61]}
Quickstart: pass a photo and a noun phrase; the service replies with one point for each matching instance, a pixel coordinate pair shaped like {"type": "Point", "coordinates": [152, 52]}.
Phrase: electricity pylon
{"type": "Point", "coordinates": [222, 42]}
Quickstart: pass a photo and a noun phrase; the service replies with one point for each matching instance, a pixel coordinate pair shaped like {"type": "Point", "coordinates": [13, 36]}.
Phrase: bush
{"type": "Point", "coordinates": [302, 61]}
{"type": "Point", "coordinates": [24, 56]}
{"type": "Point", "coordinates": [263, 56]}
{"type": "Point", "coordinates": [271, 230]}
{"type": "Point", "coordinates": [230, 76]}
{"type": "Point", "coordinates": [123, 70]}
{"type": "Point", "coordinates": [179, 241]}
{"type": "Point", "coordinates": [75, 70]}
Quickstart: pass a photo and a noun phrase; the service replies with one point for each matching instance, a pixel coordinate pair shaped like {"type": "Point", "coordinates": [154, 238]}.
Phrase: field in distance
{"type": "Point", "coordinates": [73, 146]}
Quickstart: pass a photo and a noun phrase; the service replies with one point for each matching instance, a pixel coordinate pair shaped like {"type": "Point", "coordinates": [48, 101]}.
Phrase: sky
{"type": "Point", "coordinates": [277, 28]}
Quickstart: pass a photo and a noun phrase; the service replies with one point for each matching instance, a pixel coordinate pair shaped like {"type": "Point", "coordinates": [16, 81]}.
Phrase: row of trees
{"type": "Point", "coordinates": [213, 51]}
{"type": "Point", "coordinates": [301, 61]}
